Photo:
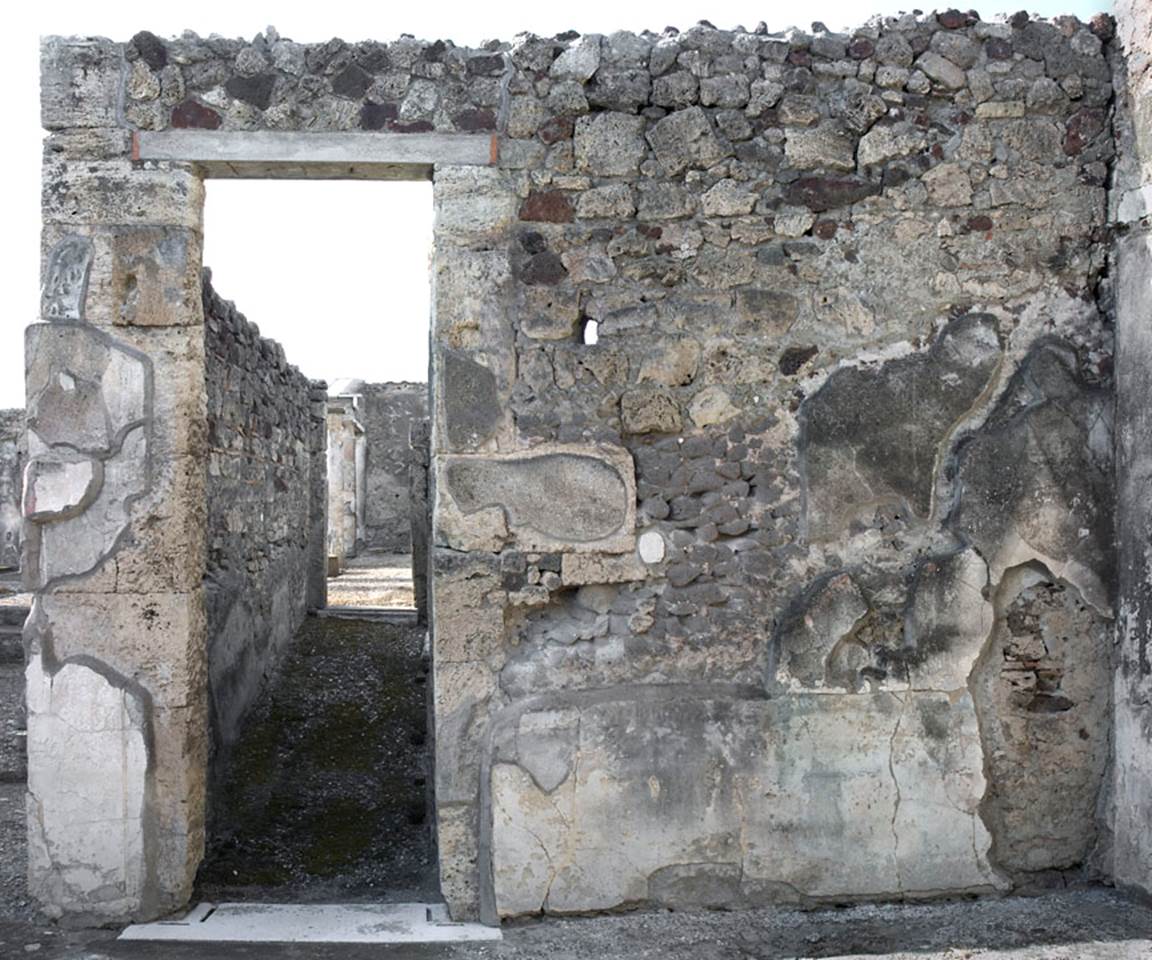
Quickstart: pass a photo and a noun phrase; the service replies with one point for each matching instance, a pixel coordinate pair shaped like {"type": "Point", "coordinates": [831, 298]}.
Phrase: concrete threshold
{"type": "Point", "coordinates": [314, 923]}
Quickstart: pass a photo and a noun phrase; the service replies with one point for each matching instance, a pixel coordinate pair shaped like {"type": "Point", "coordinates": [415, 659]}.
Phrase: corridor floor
{"type": "Point", "coordinates": [325, 795]}
{"type": "Point", "coordinates": [1092, 924]}
{"type": "Point", "coordinates": [373, 580]}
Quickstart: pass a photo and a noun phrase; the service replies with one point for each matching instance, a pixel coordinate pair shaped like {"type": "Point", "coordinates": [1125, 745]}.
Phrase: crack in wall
{"type": "Point", "coordinates": [899, 796]}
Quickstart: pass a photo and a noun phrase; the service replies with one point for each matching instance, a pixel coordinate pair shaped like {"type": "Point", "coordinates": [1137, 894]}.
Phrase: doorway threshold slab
{"type": "Point", "coordinates": [384, 614]}
{"type": "Point", "coordinates": [314, 923]}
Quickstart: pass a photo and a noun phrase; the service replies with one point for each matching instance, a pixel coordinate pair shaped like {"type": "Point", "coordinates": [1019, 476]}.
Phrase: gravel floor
{"type": "Point", "coordinates": [373, 580]}
{"type": "Point", "coordinates": [1092, 924]}
{"type": "Point", "coordinates": [325, 796]}
{"type": "Point", "coordinates": [14, 905]}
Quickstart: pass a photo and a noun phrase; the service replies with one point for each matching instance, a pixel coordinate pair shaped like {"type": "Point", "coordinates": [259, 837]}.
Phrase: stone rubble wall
{"type": "Point", "coordinates": [1131, 266]}
{"type": "Point", "coordinates": [265, 452]}
{"type": "Point", "coordinates": [13, 454]}
{"type": "Point", "coordinates": [741, 602]}
{"type": "Point", "coordinates": [389, 411]}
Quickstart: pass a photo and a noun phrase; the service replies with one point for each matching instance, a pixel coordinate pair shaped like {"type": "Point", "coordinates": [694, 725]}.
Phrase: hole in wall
{"type": "Point", "coordinates": [129, 299]}
{"type": "Point", "coordinates": [590, 332]}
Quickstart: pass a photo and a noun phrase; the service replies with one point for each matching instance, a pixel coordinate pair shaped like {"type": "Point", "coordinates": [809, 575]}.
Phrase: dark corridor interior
{"type": "Point", "coordinates": [325, 795]}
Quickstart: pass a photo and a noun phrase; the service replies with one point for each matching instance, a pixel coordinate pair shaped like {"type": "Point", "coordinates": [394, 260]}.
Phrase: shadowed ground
{"type": "Point", "coordinates": [324, 797]}
{"type": "Point", "coordinates": [1092, 924]}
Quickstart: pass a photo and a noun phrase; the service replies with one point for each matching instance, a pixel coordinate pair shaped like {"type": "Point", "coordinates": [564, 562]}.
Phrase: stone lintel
{"type": "Point", "coordinates": [378, 156]}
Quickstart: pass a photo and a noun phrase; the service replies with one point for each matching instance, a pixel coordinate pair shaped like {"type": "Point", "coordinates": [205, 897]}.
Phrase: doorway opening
{"type": "Point", "coordinates": [377, 497]}
{"type": "Point", "coordinates": [320, 757]}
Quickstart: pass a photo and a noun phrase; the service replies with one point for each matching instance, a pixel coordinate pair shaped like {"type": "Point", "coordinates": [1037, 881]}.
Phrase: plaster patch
{"type": "Point", "coordinates": [87, 783]}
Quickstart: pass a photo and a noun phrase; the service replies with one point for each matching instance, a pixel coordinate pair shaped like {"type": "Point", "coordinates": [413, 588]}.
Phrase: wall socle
{"type": "Point", "coordinates": [1131, 266]}
{"type": "Point", "coordinates": [98, 731]}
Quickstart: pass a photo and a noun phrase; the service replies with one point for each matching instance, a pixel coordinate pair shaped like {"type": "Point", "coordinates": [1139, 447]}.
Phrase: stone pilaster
{"type": "Point", "coordinates": [114, 503]}
{"type": "Point", "coordinates": [1131, 202]}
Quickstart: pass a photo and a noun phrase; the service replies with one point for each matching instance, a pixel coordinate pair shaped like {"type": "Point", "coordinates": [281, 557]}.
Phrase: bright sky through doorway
{"type": "Point", "coordinates": [337, 271]}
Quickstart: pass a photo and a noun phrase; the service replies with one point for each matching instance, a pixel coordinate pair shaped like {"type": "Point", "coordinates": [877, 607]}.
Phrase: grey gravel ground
{"type": "Point", "coordinates": [14, 905]}
{"type": "Point", "coordinates": [1093, 924]}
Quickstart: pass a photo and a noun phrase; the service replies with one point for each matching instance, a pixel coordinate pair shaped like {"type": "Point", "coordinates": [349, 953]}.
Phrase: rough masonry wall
{"type": "Point", "coordinates": [266, 444]}
{"type": "Point", "coordinates": [345, 466]}
{"type": "Point", "coordinates": [390, 409]}
{"type": "Point", "coordinates": [13, 453]}
{"type": "Point", "coordinates": [741, 602]}
{"type": "Point", "coordinates": [845, 293]}
{"type": "Point", "coordinates": [1132, 291]}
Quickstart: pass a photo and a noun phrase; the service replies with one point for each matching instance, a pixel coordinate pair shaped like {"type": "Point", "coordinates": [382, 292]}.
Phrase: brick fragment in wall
{"type": "Point", "coordinates": [390, 413]}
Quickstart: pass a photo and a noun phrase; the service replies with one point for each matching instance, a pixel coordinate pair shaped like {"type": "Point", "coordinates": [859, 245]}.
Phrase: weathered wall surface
{"type": "Point", "coordinates": [13, 453]}
{"type": "Point", "coordinates": [1132, 292]}
{"type": "Point", "coordinates": [318, 511]}
{"type": "Point", "coordinates": [265, 446]}
{"type": "Point", "coordinates": [389, 411]}
{"type": "Point", "coordinates": [114, 510]}
{"type": "Point", "coordinates": [740, 602]}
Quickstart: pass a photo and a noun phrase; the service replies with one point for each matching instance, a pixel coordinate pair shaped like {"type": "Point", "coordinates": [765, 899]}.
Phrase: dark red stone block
{"type": "Point", "coordinates": [547, 206]}
{"type": "Point", "coordinates": [193, 115]}
{"type": "Point", "coordinates": [416, 126]}
{"type": "Point", "coordinates": [1082, 127]}
{"type": "Point", "coordinates": [376, 116]}
{"type": "Point", "coordinates": [475, 119]}
{"type": "Point", "coordinates": [557, 129]}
